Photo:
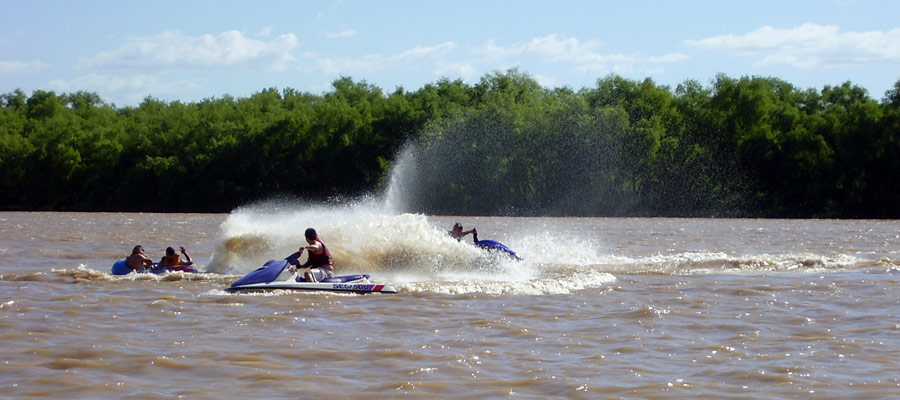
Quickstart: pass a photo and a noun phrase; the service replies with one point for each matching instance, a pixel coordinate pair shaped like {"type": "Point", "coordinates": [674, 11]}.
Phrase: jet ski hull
{"type": "Point", "coordinates": [361, 286]}
{"type": "Point", "coordinates": [275, 276]}
{"type": "Point", "coordinates": [493, 245]}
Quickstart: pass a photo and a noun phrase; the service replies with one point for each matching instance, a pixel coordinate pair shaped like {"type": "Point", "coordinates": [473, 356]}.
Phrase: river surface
{"type": "Point", "coordinates": [599, 308]}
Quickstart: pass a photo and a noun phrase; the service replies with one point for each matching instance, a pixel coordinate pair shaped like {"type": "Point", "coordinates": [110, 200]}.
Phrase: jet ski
{"type": "Point", "coordinates": [495, 246]}
{"type": "Point", "coordinates": [274, 274]}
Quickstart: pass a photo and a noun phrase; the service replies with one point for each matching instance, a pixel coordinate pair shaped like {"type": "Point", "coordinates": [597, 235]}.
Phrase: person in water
{"type": "Point", "coordinates": [457, 232]}
{"type": "Point", "coordinates": [137, 260]}
{"type": "Point", "coordinates": [172, 262]}
{"type": "Point", "coordinates": [319, 261]}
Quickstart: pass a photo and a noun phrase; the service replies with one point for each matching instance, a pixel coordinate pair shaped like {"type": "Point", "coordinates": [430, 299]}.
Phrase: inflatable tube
{"type": "Point", "coordinates": [182, 268]}
{"type": "Point", "coordinates": [120, 268]}
{"type": "Point", "coordinates": [157, 269]}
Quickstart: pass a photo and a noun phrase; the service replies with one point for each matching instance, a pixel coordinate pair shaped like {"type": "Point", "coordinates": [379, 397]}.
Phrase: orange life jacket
{"type": "Point", "coordinates": [170, 261]}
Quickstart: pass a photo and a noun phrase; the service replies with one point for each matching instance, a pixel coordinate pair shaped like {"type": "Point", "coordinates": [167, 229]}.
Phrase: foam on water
{"type": "Point", "coordinates": [362, 238]}
{"type": "Point", "coordinates": [586, 279]}
{"type": "Point", "coordinates": [404, 249]}
{"type": "Point", "coordinates": [408, 250]}
{"type": "Point", "coordinates": [690, 263]}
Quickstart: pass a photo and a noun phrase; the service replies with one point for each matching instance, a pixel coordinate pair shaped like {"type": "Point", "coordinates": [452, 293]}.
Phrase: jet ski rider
{"type": "Point", "coordinates": [458, 233]}
{"type": "Point", "coordinates": [319, 261]}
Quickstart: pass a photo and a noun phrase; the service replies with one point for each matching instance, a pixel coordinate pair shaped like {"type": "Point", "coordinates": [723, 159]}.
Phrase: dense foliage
{"type": "Point", "coordinates": [751, 146]}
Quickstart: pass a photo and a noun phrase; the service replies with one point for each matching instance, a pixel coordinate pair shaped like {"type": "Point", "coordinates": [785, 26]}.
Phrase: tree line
{"type": "Point", "coordinates": [736, 147]}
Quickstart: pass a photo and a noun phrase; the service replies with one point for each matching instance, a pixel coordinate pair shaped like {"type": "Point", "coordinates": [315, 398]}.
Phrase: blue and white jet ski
{"type": "Point", "coordinates": [493, 245]}
{"type": "Point", "coordinates": [275, 275]}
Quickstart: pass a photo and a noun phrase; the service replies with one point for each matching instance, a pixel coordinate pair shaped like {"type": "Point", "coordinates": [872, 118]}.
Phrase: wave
{"type": "Point", "coordinates": [83, 273]}
{"type": "Point", "coordinates": [556, 279]}
{"type": "Point", "coordinates": [410, 249]}
{"type": "Point", "coordinates": [414, 253]}
{"type": "Point", "coordinates": [692, 263]}
{"type": "Point", "coordinates": [361, 240]}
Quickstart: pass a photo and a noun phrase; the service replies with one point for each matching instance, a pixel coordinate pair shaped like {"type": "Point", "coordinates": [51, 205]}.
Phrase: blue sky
{"type": "Point", "coordinates": [189, 50]}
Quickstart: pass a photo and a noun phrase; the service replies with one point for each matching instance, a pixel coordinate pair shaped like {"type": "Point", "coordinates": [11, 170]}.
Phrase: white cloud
{"type": "Point", "coordinates": [343, 34]}
{"type": "Point", "coordinates": [20, 67]}
{"type": "Point", "coordinates": [810, 46]}
{"type": "Point", "coordinates": [176, 50]}
{"type": "Point", "coordinates": [551, 48]}
{"type": "Point", "coordinates": [546, 81]}
{"type": "Point", "coordinates": [584, 57]}
{"type": "Point", "coordinates": [131, 87]}
{"type": "Point", "coordinates": [456, 70]}
{"type": "Point", "coordinates": [669, 58]}
{"type": "Point", "coordinates": [264, 32]}
{"type": "Point", "coordinates": [377, 62]}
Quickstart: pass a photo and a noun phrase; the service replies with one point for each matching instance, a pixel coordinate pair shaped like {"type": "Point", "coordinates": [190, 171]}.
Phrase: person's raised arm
{"type": "Point", "coordinates": [186, 257]}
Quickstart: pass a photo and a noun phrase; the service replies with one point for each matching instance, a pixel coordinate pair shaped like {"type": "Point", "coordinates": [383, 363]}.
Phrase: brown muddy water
{"type": "Point", "coordinates": [599, 308]}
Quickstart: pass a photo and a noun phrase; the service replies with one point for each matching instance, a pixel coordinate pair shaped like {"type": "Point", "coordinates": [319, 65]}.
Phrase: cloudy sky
{"type": "Point", "coordinates": [187, 50]}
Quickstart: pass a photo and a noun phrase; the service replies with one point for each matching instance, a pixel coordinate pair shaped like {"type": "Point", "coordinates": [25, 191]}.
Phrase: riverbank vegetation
{"type": "Point", "coordinates": [735, 147]}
